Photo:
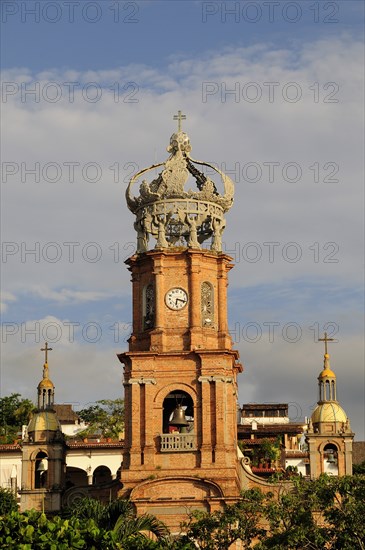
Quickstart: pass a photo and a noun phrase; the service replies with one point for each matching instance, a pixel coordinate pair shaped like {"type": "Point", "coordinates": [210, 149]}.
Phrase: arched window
{"type": "Point", "coordinates": [101, 475]}
{"type": "Point", "coordinates": [41, 467]}
{"type": "Point", "coordinates": [328, 391]}
{"type": "Point", "coordinates": [75, 477]}
{"type": "Point", "coordinates": [207, 304]}
{"type": "Point", "coordinates": [333, 385]}
{"type": "Point", "coordinates": [330, 459]}
{"type": "Point", "coordinates": [148, 307]}
{"type": "Point", "coordinates": [179, 406]}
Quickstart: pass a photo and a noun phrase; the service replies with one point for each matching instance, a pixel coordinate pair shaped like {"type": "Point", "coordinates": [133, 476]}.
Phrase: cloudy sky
{"type": "Point", "coordinates": [273, 93]}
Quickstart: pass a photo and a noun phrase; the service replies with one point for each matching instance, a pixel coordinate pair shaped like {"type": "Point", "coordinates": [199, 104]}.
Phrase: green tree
{"type": "Point", "coordinates": [324, 513]}
{"type": "Point", "coordinates": [342, 503]}
{"type": "Point", "coordinates": [8, 501]}
{"type": "Point", "coordinates": [105, 417]}
{"type": "Point", "coordinates": [14, 412]}
{"type": "Point", "coordinates": [359, 469]}
{"type": "Point", "coordinates": [292, 521]}
{"type": "Point", "coordinates": [33, 530]}
{"type": "Point", "coordinates": [239, 521]}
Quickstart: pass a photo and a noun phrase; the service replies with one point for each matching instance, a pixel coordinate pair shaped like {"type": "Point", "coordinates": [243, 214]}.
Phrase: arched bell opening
{"type": "Point", "coordinates": [178, 413]}
{"type": "Point", "coordinates": [41, 469]}
{"type": "Point", "coordinates": [330, 459]}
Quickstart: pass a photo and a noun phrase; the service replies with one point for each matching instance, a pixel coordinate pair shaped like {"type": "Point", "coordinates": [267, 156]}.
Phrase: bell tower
{"type": "Point", "coordinates": [43, 452]}
{"type": "Point", "coordinates": [180, 370]}
{"type": "Point", "coordinates": [329, 436]}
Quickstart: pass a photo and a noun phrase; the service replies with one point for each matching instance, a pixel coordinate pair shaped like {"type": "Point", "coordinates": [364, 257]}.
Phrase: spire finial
{"type": "Point", "coordinates": [325, 339]}
{"type": "Point", "coordinates": [46, 349]}
{"type": "Point", "coordinates": [179, 117]}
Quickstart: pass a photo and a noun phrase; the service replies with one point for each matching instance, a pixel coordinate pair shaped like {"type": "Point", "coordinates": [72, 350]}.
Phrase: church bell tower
{"type": "Point", "coordinates": [180, 370]}
{"type": "Point", "coordinates": [329, 436]}
{"type": "Point", "coordinates": [43, 452]}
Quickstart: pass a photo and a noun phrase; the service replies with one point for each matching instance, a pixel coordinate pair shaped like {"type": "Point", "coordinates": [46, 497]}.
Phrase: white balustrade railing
{"type": "Point", "coordinates": [176, 442]}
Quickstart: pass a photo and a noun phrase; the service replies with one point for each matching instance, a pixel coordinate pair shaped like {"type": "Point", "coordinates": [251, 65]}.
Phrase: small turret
{"type": "Point", "coordinates": [43, 452]}
{"type": "Point", "coordinates": [44, 424]}
{"type": "Point", "coordinates": [329, 436]}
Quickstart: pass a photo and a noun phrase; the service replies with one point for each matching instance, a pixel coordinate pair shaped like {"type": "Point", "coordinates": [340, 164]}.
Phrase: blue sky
{"type": "Point", "coordinates": [291, 134]}
{"type": "Point", "coordinates": [103, 35]}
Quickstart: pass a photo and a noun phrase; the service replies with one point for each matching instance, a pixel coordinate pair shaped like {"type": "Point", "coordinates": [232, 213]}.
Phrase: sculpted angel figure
{"type": "Point", "coordinates": [161, 232]}
{"type": "Point", "coordinates": [193, 233]}
{"type": "Point", "coordinates": [142, 236]}
{"type": "Point", "coordinates": [218, 226]}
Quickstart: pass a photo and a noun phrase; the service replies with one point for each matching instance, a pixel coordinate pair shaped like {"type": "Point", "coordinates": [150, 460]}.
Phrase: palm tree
{"type": "Point", "coordinates": [135, 530]}
{"type": "Point", "coordinates": [119, 517]}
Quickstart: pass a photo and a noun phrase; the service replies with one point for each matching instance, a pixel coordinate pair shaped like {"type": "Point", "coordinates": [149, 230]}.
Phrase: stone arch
{"type": "Point", "coordinates": [40, 469]}
{"type": "Point", "coordinates": [164, 403]}
{"type": "Point", "coordinates": [165, 390]}
{"type": "Point", "coordinates": [329, 443]}
{"type": "Point", "coordinates": [329, 454]}
{"type": "Point", "coordinates": [102, 474]}
{"type": "Point", "coordinates": [41, 449]}
{"type": "Point", "coordinates": [179, 485]}
{"type": "Point", "coordinates": [178, 400]}
{"type": "Point", "coordinates": [75, 477]}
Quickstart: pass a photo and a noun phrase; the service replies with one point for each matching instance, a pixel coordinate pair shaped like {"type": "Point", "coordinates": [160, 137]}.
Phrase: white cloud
{"type": "Point", "coordinates": [323, 139]}
{"type": "Point", "coordinates": [66, 295]}
{"type": "Point", "coordinates": [82, 371]}
{"type": "Point", "coordinates": [6, 297]}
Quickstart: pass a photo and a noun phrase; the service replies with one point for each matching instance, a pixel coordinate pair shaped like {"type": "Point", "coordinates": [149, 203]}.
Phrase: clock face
{"type": "Point", "coordinates": [176, 298]}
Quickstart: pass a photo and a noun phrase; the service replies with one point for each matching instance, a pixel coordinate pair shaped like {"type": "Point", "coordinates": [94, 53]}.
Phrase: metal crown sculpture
{"type": "Point", "coordinates": [173, 216]}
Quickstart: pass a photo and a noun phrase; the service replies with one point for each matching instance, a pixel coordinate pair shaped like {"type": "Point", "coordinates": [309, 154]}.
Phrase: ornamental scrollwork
{"type": "Point", "coordinates": [207, 304]}
{"type": "Point", "coordinates": [173, 215]}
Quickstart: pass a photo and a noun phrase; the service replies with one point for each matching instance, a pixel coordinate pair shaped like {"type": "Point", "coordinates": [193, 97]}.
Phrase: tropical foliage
{"type": "Point", "coordinates": [327, 513]}
{"type": "Point", "coordinates": [34, 530]}
{"type": "Point", "coordinates": [220, 529]}
{"type": "Point", "coordinates": [8, 501]}
{"type": "Point", "coordinates": [106, 417]}
{"type": "Point", "coordinates": [14, 412]}
{"type": "Point", "coordinates": [119, 517]}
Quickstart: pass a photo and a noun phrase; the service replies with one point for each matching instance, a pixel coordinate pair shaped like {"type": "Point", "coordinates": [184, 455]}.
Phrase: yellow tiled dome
{"type": "Point", "coordinates": [44, 421]}
{"type": "Point", "coordinates": [45, 383]}
{"type": "Point", "coordinates": [329, 412]}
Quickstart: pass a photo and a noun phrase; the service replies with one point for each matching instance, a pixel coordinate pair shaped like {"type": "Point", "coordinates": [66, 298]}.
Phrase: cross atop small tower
{"type": "Point", "coordinates": [179, 117]}
{"type": "Point", "coordinates": [325, 340]}
{"type": "Point", "coordinates": [46, 349]}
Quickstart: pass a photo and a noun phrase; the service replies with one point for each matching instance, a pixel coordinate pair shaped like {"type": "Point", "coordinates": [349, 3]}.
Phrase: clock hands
{"type": "Point", "coordinates": [176, 298]}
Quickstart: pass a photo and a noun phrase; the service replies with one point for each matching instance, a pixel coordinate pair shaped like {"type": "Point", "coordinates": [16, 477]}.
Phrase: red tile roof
{"type": "Point", "coordinates": [10, 447]}
{"type": "Point", "coordinates": [95, 444]}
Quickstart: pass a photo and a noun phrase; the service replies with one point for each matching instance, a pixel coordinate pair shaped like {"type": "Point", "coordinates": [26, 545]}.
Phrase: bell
{"type": "Point", "coordinates": [331, 458]}
{"type": "Point", "coordinates": [178, 417]}
{"type": "Point", "coordinates": [42, 466]}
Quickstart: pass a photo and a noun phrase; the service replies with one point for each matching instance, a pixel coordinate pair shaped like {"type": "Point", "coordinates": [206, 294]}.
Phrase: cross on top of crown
{"type": "Point", "coordinates": [179, 117]}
